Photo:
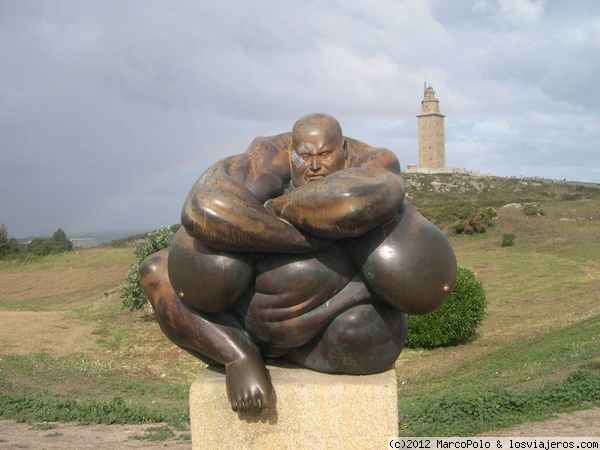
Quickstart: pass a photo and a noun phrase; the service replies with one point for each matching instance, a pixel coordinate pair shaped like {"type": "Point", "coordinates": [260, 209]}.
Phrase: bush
{"type": "Point", "coordinates": [456, 321]}
{"type": "Point", "coordinates": [130, 292]}
{"type": "Point", "coordinates": [569, 196]}
{"type": "Point", "coordinates": [466, 218]}
{"type": "Point", "coordinates": [508, 240]}
{"type": "Point", "coordinates": [155, 240]}
{"type": "Point", "coordinates": [532, 209]}
{"type": "Point", "coordinates": [39, 247]}
{"type": "Point", "coordinates": [477, 222]}
{"type": "Point", "coordinates": [454, 212]}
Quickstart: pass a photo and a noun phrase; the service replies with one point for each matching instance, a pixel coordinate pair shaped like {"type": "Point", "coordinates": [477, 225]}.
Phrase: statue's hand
{"type": "Point", "coordinates": [317, 243]}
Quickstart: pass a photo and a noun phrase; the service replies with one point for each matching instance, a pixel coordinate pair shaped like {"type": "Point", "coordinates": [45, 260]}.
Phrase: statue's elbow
{"type": "Point", "coordinates": [186, 216]}
{"type": "Point", "coordinates": [189, 217]}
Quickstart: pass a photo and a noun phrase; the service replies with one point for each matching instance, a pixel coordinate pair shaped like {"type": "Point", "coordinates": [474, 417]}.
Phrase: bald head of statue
{"type": "Point", "coordinates": [318, 148]}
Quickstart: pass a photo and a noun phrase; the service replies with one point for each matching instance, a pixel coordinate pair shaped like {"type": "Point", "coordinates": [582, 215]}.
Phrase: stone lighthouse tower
{"type": "Point", "coordinates": [432, 149]}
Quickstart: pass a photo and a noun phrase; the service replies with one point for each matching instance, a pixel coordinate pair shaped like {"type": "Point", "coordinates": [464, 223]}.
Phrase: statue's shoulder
{"type": "Point", "coordinates": [361, 154]}
{"type": "Point", "coordinates": [280, 143]}
{"type": "Point", "coordinates": [271, 154]}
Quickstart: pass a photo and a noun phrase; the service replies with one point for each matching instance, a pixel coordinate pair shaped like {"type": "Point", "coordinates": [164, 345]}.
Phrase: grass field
{"type": "Point", "coordinates": [69, 353]}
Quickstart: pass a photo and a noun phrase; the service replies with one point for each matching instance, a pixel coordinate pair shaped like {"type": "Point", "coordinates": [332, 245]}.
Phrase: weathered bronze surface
{"type": "Point", "coordinates": [301, 248]}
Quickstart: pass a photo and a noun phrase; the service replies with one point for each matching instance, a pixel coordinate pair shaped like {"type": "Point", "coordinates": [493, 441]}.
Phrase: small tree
{"type": "Point", "coordinates": [13, 247]}
{"type": "Point", "coordinates": [3, 241]}
{"type": "Point", "coordinates": [39, 247]}
{"type": "Point", "coordinates": [60, 242]}
{"type": "Point", "coordinates": [8, 246]}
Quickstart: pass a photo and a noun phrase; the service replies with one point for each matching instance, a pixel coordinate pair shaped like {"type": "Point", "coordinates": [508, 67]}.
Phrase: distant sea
{"type": "Point", "coordinates": [100, 236]}
{"type": "Point", "coordinates": [107, 236]}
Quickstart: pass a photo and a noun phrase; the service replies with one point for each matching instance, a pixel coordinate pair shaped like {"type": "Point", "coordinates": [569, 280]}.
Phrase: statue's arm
{"type": "Point", "coordinates": [225, 208]}
{"type": "Point", "coordinates": [347, 203]}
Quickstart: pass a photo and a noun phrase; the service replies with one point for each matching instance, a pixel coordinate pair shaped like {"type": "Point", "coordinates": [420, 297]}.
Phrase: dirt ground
{"type": "Point", "coordinates": [25, 332]}
{"type": "Point", "coordinates": [58, 435]}
{"type": "Point", "coordinates": [15, 435]}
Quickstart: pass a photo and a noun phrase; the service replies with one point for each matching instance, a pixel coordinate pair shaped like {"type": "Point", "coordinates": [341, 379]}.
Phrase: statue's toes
{"type": "Point", "coordinates": [253, 400]}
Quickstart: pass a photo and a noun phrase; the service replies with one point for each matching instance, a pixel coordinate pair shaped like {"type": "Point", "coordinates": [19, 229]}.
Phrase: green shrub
{"type": "Point", "coordinates": [130, 292]}
{"type": "Point", "coordinates": [476, 222]}
{"type": "Point", "coordinates": [466, 218]}
{"type": "Point", "coordinates": [39, 247]}
{"type": "Point", "coordinates": [451, 213]}
{"type": "Point", "coordinates": [456, 321]}
{"type": "Point", "coordinates": [508, 240]}
{"type": "Point", "coordinates": [532, 209]}
{"type": "Point", "coordinates": [569, 196]}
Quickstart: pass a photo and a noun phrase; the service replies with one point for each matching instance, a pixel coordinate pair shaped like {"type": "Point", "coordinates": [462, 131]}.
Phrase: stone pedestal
{"type": "Point", "coordinates": [312, 410]}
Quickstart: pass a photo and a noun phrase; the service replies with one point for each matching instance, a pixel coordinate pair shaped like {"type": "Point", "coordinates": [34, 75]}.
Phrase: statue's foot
{"type": "Point", "coordinates": [248, 385]}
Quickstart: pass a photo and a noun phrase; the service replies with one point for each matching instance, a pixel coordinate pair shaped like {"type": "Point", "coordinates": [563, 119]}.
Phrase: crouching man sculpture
{"type": "Point", "coordinates": [302, 248]}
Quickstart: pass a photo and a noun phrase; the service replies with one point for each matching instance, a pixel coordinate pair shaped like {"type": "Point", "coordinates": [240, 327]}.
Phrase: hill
{"type": "Point", "coordinates": [68, 352]}
{"type": "Point", "coordinates": [434, 194]}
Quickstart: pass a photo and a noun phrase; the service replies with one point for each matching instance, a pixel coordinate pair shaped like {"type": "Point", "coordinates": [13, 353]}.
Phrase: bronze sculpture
{"type": "Point", "coordinates": [301, 248]}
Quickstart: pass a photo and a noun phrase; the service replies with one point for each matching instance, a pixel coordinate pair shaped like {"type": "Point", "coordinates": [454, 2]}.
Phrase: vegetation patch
{"type": "Point", "coordinates": [521, 381]}
{"type": "Point", "coordinates": [154, 434]}
{"type": "Point", "coordinates": [464, 218]}
{"type": "Point", "coordinates": [131, 292]}
{"type": "Point", "coordinates": [508, 240]}
{"type": "Point", "coordinates": [533, 209]}
{"type": "Point", "coordinates": [465, 414]}
{"type": "Point", "coordinates": [476, 222]}
{"type": "Point", "coordinates": [456, 321]}
{"type": "Point", "coordinates": [38, 247]}
{"type": "Point", "coordinates": [56, 408]}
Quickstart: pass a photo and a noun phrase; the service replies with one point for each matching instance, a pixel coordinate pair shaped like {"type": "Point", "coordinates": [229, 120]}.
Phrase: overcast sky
{"type": "Point", "coordinates": [110, 110]}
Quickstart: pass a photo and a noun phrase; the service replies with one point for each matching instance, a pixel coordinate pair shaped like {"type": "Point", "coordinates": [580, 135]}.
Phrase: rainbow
{"type": "Point", "coordinates": [112, 205]}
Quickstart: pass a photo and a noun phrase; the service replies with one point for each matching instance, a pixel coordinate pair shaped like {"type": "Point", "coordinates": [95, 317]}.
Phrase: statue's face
{"type": "Point", "coordinates": [316, 155]}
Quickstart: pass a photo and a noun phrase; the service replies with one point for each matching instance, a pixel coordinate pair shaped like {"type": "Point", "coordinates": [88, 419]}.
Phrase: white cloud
{"type": "Point", "coordinates": [522, 12]}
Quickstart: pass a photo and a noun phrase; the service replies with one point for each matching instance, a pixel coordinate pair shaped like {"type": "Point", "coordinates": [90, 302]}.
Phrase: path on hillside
{"type": "Point", "coordinates": [21, 435]}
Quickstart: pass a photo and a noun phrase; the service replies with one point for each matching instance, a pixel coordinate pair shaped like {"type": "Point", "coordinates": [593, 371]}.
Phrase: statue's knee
{"type": "Point", "coordinates": [367, 325]}
{"type": "Point", "coordinates": [365, 339]}
{"type": "Point", "coordinates": [206, 279]}
{"type": "Point", "coordinates": [347, 329]}
{"type": "Point", "coordinates": [153, 269]}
